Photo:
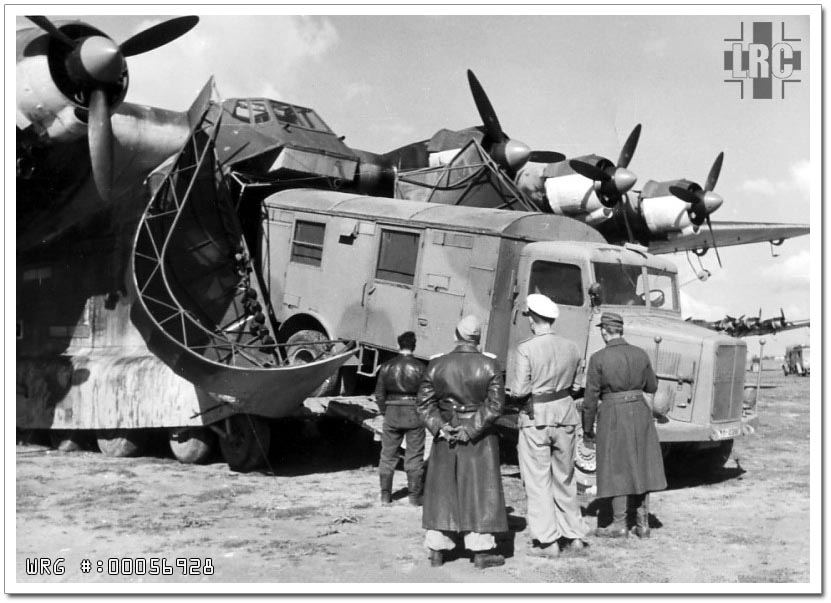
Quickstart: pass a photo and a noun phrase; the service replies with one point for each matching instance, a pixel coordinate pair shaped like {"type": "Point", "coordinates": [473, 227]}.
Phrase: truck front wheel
{"type": "Point", "coordinates": [304, 347]}
{"type": "Point", "coordinates": [713, 459]}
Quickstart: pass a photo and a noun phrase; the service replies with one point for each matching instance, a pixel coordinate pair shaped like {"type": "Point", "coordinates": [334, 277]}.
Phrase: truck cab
{"type": "Point", "coordinates": [700, 372]}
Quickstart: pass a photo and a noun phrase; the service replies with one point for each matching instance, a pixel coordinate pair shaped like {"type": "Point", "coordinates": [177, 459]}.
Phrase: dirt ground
{"type": "Point", "coordinates": [315, 517]}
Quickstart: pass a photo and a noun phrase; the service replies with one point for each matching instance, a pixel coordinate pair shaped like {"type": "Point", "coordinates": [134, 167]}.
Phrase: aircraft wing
{"type": "Point", "coordinates": [729, 233]}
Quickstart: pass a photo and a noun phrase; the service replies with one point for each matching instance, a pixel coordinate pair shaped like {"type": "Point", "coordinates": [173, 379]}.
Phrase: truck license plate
{"type": "Point", "coordinates": [724, 433]}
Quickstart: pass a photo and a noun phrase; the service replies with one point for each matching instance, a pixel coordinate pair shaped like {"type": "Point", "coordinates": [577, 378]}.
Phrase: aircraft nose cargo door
{"type": "Point", "coordinates": [389, 295]}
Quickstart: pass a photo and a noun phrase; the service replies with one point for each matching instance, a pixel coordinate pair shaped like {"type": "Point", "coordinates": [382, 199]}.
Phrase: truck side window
{"type": "Point", "coordinates": [307, 245]}
{"type": "Point", "coordinates": [561, 282]}
{"type": "Point", "coordinates": [397, 257]}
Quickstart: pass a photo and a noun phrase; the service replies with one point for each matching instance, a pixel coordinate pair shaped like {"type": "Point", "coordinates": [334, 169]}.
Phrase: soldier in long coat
{"type": "Point", "coordinates": [629, 462]}
{"type": "Point", "coordinates": [461, 396]}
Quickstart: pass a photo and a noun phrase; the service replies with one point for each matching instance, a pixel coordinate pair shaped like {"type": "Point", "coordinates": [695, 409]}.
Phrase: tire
{"type": "Point", "coordinates": [66, 440]}
{"type": "Point", "coordinates": [120, 442]}
{"type": "Point", "coordinates": [713, 459]}
{"type": "Point", "coordinates": [245, 446]}
{"type": "Point", "coordinates": [302, 348]}
{"type": "Point", "coordinates": [193, 445]}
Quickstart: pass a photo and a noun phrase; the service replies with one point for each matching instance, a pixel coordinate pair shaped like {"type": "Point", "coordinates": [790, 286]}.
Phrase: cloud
{"type": "Point", "coordinates": [798, 180]}
{"type": "Point", "coordinates": [792, 273]}
{"type": "Point", "coordinates": [702, 310]}
{"type": "Point", "coordinates": [247, 57]}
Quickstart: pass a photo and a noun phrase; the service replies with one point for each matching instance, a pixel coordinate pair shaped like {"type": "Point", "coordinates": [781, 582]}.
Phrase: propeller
{"type": "Point", "coordinates": [611, 180]}
{"type": "Point", "coordinates": [97, 72]}
{"type": "Point", "coordinates": [703, 202]}
{"type": "Point", "coordinates": [511, 154]}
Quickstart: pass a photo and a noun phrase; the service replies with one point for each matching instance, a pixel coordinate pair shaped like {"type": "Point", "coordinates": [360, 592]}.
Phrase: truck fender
{"type": "Point", "coordinates": [306, 314]}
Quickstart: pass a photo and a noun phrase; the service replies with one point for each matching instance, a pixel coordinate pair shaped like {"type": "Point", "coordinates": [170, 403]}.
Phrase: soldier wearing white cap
{"type": "Point", "coordinates": [542, 379]}
{"type": "Point", "coordinates": [461, 396]}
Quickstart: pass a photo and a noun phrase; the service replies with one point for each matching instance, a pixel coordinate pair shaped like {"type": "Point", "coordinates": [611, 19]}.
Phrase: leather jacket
{"type": "Point", "coordinates": [463, 387]}
{"type": "Point", "coordinates": [399, 377]}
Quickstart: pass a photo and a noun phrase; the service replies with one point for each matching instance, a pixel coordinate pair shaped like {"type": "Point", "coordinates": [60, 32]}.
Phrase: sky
{"type": "Point", "coordinates": [569, 83]}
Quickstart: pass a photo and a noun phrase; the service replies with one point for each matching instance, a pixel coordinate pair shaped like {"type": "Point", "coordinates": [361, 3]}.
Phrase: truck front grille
{"type": "Point", "coordinates": [728, 382]}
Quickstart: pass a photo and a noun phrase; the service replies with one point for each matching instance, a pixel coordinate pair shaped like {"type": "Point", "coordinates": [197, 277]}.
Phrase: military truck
{"type": "Point", "coordinates": [365, 268]}
{"type": "Point", "coordinates": [797, 360]}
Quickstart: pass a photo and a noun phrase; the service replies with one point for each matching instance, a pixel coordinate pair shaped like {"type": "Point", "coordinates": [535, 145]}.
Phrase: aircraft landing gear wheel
{"type": "Point", "coordinates": [192, 445]}
{"type": "Point", "coordinates": [303, 348]}
{"type": "Point", "coordinates": [66, 440]}
{"type": "Point", "coordinates": [246, 442]}
{"type": "Point", "coordinates": [120, 442]}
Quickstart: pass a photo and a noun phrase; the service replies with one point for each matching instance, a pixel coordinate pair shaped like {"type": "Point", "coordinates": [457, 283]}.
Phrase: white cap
{"type": "Point", "coordinates": [542, 305]}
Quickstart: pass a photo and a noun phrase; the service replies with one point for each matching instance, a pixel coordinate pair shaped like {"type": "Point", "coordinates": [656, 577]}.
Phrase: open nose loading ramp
{"type": "Point", "coordinates": [198, 302]}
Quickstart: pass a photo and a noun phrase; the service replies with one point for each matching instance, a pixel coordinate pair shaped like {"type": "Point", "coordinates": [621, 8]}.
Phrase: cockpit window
{"type": "Point", "coordinates": [298, 116]}
{"type": "Point", "coordinates": [259, 112]}
{"type": "Point", "coordinates": [242, 111]}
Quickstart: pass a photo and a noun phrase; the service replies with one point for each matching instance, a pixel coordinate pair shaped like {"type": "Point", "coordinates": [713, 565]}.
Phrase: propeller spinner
{"type": "Point", "coordinates": [611, 181]}
{"type": "Point", "coordinates": [703, 202]}
{"type": "Point", "coordinates": [511, 154]}
{"type": "Point", "coordinates": [97, 70]}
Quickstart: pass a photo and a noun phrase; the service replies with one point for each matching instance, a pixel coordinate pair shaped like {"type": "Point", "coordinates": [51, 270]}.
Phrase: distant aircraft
{"type": "Point", "coordinates": [664, 216]}
{"type": "Point", "coordinates": [751, 326]}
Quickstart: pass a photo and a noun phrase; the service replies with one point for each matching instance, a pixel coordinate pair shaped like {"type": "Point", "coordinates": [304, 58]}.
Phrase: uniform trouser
{"type": "Point", "coordinates": [634, 503]}
{"type": "Point", "coordinates": [400, 423]}
{"type": "Point", "coordinates": [436, 540]}
{"type": "Point", "coordinates": [546, 463]}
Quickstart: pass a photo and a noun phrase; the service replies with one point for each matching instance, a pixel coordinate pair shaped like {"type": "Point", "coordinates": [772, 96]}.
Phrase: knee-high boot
{"type": "Point", "coordinates": [386, 487]}
{"type": "Point", "coordinates": [617, 529]}
{"type": "Point", "coordinates": [415, 486]}
{"type": "Point", "coordinates": [642, 529]}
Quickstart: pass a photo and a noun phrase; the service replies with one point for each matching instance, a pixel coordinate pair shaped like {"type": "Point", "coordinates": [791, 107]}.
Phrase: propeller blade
{"type": "Point", "coordinates": [629, 147]}
{"type": "Point", "coordinates": [101, 143]}
{"type": "Point", "coordinates": [685, 195]}
{"type": "Point", "coordinates": [587, 170]}
{"type": "Point", "coordinates": [158, 35]}
{"type": "Point", "coordinates": [713, 239]}
{"type": "Point", "coordinates": [712, 178]}
{"type": "Point", "coordinates": [49, 27]}
{"type": "Point", "coordinates": [546, 157]}
{"type": "Point", "coordinates": [486, 112]}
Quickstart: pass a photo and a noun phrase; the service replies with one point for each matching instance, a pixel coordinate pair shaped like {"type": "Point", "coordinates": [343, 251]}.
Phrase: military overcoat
{"type": "Point", "coordinates": [629, 457]}
{"type": "Point", "coordinates": [463, 490]}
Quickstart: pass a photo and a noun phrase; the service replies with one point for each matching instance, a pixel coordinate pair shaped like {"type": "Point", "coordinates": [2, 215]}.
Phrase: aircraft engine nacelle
{"type": "Point", "coordinates": [48, 100]}
{"type": "Point", "coordinates": [662, 211]}
{"type": "Point", "coordinates": [573, 195]}
{"type": "Point", "coordinates": [376, 175]}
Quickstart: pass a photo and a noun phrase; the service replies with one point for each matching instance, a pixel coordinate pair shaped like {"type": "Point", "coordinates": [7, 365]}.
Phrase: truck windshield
{"type": "Point", "coordinates": [631, 285]}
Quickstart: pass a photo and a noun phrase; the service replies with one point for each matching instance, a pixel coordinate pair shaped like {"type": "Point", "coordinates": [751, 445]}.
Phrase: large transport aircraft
{"type": "Point", "coordinates": [147, 295]}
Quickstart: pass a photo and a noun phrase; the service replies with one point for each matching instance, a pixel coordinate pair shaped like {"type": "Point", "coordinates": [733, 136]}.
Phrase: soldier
{"type": "Point", "coordinates": [461, 396]}
{"type": "Point", "coordinates": [629, 462]}
{"type": "Point", "coordinates": [542, 380]}
{"type": "Point", "coordinates": [395, 394]}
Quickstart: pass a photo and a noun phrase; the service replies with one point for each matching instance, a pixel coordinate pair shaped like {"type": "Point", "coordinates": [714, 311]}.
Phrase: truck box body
{"type": "Point", "coordinates": [368, 269]}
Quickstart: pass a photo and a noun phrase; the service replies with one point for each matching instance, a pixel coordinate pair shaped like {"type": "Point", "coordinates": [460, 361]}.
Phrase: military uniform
{"type": "Point", "coordinates": [395, 393]}
{"type": "Point", "coordinates": [629, 461]}
{"type": "Point", "coordinates": [545, 368]}
{"type": "Point", "coordinates": [463, 491]}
